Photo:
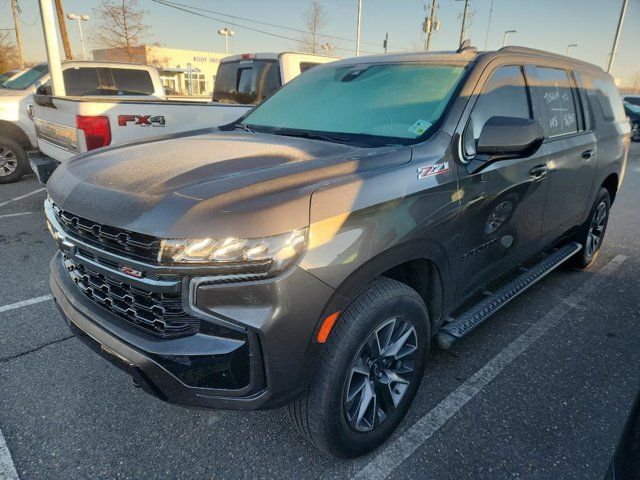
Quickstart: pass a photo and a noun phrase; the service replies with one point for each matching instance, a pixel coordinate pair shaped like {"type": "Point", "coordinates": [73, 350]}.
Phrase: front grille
{"type": "Point", "coordinates": [132, 244]}
{"type": "Point", "coordinates": [160, 314]}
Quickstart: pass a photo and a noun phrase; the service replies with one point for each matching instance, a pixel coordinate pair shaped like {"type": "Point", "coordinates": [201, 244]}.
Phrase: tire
{"type": "Point", "coordinates": [593, 229]}
{"type": "Point", "coordinates": [13, 161]}
{"type": "Point", "coordinates": [323, 414]}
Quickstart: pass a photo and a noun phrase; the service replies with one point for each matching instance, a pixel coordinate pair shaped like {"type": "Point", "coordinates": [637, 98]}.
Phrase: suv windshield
{"type": "Point", "coordinates": [246, 81]}
{"type": "Point", "coordinates": [28, 78]}
{"type": "Point", "coordinates": [370, 104]}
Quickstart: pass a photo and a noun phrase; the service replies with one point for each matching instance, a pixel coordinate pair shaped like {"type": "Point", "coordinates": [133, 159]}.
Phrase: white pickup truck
{"type": "Point", "coordinates": [17, 131]}
{"type": "Point", "coordinates": [67, 126]}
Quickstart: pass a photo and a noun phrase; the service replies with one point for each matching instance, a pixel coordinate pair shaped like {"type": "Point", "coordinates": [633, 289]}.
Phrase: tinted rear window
{"type": "Point", "coordinates": [81, 81]}
{"type": "Point", "coordinates": [246, 81]}
{"type": "Point", "coordinates": [132, 82]}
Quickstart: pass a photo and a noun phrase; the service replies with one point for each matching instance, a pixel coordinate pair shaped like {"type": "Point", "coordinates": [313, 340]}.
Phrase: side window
{"type": "Point", "coordinates": [604, 94]}
{"type": "Point", "coordinates": [554, 94]}
{"type": "Point", "coordinates": [81, 81]}
{"type": "Point", "coordinates": [503, 95]}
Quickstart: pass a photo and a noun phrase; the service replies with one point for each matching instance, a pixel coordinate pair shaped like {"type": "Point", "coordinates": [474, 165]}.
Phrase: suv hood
{"type": "Point", "coordinates": [210, 184]}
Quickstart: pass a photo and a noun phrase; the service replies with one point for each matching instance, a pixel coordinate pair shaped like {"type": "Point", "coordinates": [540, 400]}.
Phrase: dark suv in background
{"type": "Point", "coordinates": [307, 254]}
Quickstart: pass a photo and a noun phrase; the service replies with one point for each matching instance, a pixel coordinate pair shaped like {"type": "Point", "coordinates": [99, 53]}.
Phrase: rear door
{"type": "Point", "coordinates": [502, 204]}
{"type": "Point", "coordinates": [570, 145]}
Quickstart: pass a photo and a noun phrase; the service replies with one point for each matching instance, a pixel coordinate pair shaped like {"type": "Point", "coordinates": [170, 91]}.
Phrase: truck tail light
{"type": "Point", "coordinates": [97, 131]}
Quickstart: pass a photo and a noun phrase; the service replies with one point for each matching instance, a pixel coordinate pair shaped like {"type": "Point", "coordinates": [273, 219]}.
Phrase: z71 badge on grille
{"type": "Point", "coordinates": [431, 170]}
{"type": "Point", "coordinates": [131, 272]}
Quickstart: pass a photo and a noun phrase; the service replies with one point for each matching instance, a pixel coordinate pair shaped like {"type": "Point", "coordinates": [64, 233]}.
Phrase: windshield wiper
{"type": "Point", "coordinates": [243, 126]}
{"type": "Point", "coordinates": [312, 135]}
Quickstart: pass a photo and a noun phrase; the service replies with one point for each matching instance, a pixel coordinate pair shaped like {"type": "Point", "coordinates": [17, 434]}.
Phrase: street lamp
{"type": "Point", "coordinates": [506, 37]}
{"type": "Point", "coordinates": [226, 33]}
{"type": "Point", "coordinates": [569, 48]}
{"type": "Point", "coordinates": [79, 18]}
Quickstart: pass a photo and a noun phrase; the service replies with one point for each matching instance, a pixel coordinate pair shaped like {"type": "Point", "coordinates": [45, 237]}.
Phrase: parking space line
{"type": "Point", "coordinates": [7, 468]}
{"type": "Point", "coordinates": [383, 464]}
{"type": "Point", "coordinates": [25, 303]}
{"type": "Point", "coordinates": [16, 214]}
{"type": "Point", "coordinates": [14, 199]}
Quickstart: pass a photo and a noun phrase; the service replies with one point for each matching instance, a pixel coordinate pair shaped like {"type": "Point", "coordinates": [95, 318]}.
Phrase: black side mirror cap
{"type": "Point", "coordinates": [504, 138]}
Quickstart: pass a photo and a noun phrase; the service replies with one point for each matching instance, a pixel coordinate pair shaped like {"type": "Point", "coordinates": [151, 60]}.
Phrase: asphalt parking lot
{"type": "Point", "coordinates": [539, 392]}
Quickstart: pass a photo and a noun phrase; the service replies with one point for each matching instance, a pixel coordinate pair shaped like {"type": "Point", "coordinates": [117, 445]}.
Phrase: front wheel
{"type": "Point", "coordinates": [369, 371]}
{"type": "Point", "coordinates": [13, 161]}
{"type": "Point", "coordinates": [591, 234]}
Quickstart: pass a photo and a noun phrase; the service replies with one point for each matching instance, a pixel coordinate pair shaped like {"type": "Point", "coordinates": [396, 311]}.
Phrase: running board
{"type": "Point", "coordinates": [457, 328]}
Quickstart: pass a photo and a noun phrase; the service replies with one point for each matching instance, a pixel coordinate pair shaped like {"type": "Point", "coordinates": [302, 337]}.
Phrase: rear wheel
{"type": "Point", "coordinates": [591, 234]}
{"type": "Point", "coordinates": [369, 371]}
{"type": "Point", "coordinates": [13, 161]}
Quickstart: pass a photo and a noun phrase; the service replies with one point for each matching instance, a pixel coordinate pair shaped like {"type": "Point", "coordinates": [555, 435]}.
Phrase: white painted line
{"type": "Point", "coordinates": [7, 468]}
{"type": "Point", "coordinates": [16, 214]}
{"type": "Point", "coordinates": [7, 202]}
{"type": "Point", "coordinates": [25, 303]}
{"type": "Point", "coordinates": [406, 444]}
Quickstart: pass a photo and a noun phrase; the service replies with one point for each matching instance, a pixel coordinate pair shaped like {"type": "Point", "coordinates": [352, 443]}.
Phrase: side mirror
{"type": "Point", "coordinates": [504, 138]}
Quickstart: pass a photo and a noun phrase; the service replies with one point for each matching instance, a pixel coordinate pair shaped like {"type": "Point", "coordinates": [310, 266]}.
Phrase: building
{"type": "Point", "coordinates": [183, 72]}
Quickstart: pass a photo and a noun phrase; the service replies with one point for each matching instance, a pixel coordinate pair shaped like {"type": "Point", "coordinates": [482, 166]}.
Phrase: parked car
{"type": "Point", "coordinates": [242, 82]}
{"type": "Point", "coordinates": [307, 254]}
{"type": "Point", "coordinates": [17, 130]}
{"type": "Point", "coordinates": [632, 109]}
{"type": "Point", "coordinates": [6, 76]}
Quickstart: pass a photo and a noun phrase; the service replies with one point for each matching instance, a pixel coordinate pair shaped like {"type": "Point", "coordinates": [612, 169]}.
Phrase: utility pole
{"type": "Point", "coordinates": [358, 28]}
{"type": "Point", "coordinates": [16, 21]}
{"type": "Point", "coordinates": [486, 35]}
{"type": "Point", "coordinates": [464, 21]}
{"type": "Point", "coordinates": [63, 31]}
{"type": "Point", "coordinates": [51, 42]}
{"type": "Point", "coordinates": [431, 24]}
{"type": "Point", "coordinates": [385, 44]}
{"type": "Point", "coordinates": [617, 38]}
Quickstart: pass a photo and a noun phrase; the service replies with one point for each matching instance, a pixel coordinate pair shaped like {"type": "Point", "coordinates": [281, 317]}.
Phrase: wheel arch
{"type": "Point", "coordinates": [612, 183]}
{"type": "Point", "coordinates": [421, 267]}
{"type": "Point", "coordinates": [15, 133]}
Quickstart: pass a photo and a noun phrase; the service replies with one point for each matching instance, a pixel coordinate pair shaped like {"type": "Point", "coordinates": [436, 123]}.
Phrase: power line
{"type": "Point", "coordinates": [259, 22]}
{"type": "Point", "coordinates": [237, 25]}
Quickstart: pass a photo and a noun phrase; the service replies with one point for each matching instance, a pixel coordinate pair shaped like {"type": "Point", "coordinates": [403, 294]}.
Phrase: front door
{"type": "Point", "coordinates": [503, 204]}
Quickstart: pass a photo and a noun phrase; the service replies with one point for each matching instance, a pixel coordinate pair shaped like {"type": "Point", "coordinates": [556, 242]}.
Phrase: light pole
{"type": "Point", "coordinates": [80, 19]}
{"type": "Point", "coordinates": [358, 28]}
{"type": "Point", "coordinates": [506, 37]}
{"type": "Point", "coordinates": [226, 33]}
{"type": "Point", "coordinates": [569, 47]}
{"type": "Point", "coordinates": [614, 49]}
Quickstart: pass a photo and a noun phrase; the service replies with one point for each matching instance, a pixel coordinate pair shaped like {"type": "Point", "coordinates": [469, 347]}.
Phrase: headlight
{"type": "Point", "coordinates": [266, 255]}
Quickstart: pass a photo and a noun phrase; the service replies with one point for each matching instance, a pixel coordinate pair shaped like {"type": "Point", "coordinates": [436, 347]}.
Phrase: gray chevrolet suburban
{"type": "Point", "coordinates": [310, 253]}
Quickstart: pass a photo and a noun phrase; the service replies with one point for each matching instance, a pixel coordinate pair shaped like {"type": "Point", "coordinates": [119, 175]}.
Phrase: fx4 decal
{"type": "Point", "coordinates": [142, 120]}
{"type": "Point", "coordinates": [431, 170]}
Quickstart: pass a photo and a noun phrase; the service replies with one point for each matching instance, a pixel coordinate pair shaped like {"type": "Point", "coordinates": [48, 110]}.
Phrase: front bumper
{"type": "Point", "coordinates": [42, 165]}
{"type": "Point", "coordinates": [254, 347]}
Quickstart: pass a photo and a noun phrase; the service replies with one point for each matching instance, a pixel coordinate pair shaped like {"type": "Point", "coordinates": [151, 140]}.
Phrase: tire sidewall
{"type": "Point", "coordinates": [21, 156]}
{"type": "Point", "coordinates": [346, 441]}
{"type": "Point", "coordinates": [583, 260]}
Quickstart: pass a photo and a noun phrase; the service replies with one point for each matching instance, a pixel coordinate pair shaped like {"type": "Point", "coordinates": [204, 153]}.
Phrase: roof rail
{"type": "Point", "coordinates": [535, 51]}
{"type": "Point", "coordinates": [466, 46]}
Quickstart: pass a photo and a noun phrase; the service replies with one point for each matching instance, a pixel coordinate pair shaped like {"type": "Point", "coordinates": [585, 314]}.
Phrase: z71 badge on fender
{"type": "Point", "coordinates": [142, 120]}
{"type": "Point", "coordinates": [431, 170]}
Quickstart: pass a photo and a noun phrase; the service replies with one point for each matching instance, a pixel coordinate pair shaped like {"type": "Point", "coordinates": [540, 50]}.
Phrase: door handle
{"type": "Point", "coordinates": [587, 154]}
{"type": "Point", "coordinates": [539, 171]}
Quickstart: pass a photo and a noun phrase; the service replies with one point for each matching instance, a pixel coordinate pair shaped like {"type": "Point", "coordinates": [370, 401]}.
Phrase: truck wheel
{"type": "Point", "coordinates": [591, 234]}
{"type": "Point", "coordinates": [369, 371]}
{"type": "Point", "coordinates": [13, 161]}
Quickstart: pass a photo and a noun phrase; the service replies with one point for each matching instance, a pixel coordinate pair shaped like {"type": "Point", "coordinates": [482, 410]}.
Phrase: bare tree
{"type": "Point", "coordinates": [315, 19]}
{"type": "Point", "coordinates": [8, 53]}
{"type": "Point", "coordinates": [120, 24]}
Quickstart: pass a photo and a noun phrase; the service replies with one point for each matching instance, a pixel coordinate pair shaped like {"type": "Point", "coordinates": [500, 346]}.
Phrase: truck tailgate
{"type": "Point", "coordinates": [57, 120]}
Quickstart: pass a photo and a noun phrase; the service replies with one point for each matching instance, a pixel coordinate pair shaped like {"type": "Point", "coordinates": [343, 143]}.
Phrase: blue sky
{"type": "Point", "coordinates": [545, 24]}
